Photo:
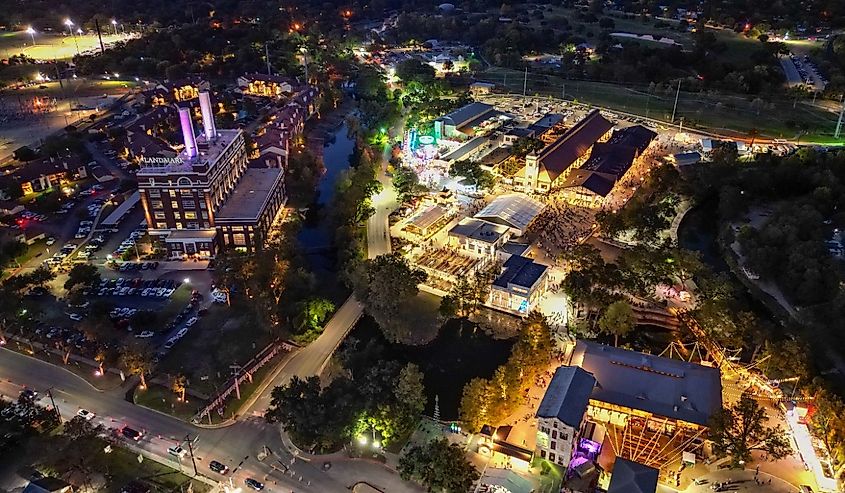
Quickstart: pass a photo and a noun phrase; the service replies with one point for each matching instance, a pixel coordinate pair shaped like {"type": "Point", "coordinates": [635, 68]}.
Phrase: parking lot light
{"type": "Point", "coordinates": [187, 280]}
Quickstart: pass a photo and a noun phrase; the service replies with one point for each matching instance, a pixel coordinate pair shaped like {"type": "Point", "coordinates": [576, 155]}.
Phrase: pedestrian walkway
{"type": "Point", "coordinates": [742, 481]}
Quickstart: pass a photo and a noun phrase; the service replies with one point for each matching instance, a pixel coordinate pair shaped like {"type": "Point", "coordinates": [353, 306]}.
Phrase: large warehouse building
{"type": "Point", "coordinates": [644, 408]}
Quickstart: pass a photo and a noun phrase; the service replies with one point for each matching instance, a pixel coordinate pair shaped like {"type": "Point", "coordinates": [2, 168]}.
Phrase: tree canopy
{"type": "Point", "coordinates": [439, 466]}
{"type": "Point", "coordinates": [738, 430]}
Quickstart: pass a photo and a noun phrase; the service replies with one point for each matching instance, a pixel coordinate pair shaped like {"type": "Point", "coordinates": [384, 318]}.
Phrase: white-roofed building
{"type": "Point", "coordinates": [514, 210]}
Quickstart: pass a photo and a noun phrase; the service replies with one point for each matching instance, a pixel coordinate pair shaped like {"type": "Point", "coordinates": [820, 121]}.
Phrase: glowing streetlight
{"type": "Point", "coordinates": [69, 24]}
{"type": "Point", "coordinates": [114, 25]}
{"type": "Point", "coordinates": [31, 32]}
{"type": "Point", "coordinates": [362, 439]}
{"type": "Point", "coordinates": [187, 280]}
{"type": "Point", "coordinates": [79, 31]}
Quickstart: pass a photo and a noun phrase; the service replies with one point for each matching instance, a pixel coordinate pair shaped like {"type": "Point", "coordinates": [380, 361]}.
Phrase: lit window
{"type": "Point", "coordinates": [157, 204]}
{"type": "Point", "coordinates": [159, 215]}
{"type": "Point", "coordinates": [190, 215]}
{"type": "Point", "coordinates": [239, 239]}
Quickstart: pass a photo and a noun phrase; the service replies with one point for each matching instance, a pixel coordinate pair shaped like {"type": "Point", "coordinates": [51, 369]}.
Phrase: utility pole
{"type": "Point", "coordinates": [99, 35]}
{"type": "Point", "coordinates": [267, 57]}
{"type": "Point", "coordinates": [191, 451]}
{"type": "Point", "coordinates": [55, 408]}
{"type": "Point", "coordinates": [839, 123]}
{"type": "Point", "coordinates": [563, 92]}
{"type": "Point", "coordinates": [525, 86]}
{"type": "Point", "coordinates": [677, 95]}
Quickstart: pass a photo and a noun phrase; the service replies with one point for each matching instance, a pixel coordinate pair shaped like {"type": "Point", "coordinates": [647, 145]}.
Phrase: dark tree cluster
{"type": "Point", "coordinates": [377, 398]}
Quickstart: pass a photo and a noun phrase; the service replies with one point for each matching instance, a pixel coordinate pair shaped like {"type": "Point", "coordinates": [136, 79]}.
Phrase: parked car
{"type": "Point", "coordinates": [85, 414]}
{"type": "Point", "coordinates": [177, 451]}
{"type": "Point", "coordinates": [191, 321]}
{"type": "Point", "coordinates": [254, 484]}
{"type": "Point", "coordinates": [145, 334]}
{"type": "Point", "coordinates": [130, 433]}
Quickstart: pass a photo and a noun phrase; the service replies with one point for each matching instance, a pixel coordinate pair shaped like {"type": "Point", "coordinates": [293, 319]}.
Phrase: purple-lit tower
{"type": "Point", "coordinates": [188, 132]}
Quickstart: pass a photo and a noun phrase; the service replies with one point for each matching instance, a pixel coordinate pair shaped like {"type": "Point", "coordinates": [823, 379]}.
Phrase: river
{"type": "Point", "coordinates": [317, 233]}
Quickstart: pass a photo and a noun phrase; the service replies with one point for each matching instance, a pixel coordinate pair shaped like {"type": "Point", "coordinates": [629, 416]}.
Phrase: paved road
{"type": "Point", "coordinates": [228, 445]}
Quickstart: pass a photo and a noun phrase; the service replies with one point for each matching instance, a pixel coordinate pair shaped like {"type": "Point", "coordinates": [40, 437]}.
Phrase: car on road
{"type": "Point", "coordinates": [254, 484]}
{"type": "Point", "coordinates": [131, 433]}
{"type": "Point", "coordinates": [177, 451]}
{"type": "Point", "coordinates": [170, 343]}
{"type": "Point", "coordinates": [50, 241]}
{"type": "Point", "coordinates": [28, 394]}
{"type": "Point", "coordinates": [191, 321]}
{"type": "Point", "coordinates": [145, 334]}
{"type": "Point", "coordinates": [218, 467]}
{"type": "Point", "coordinates": [75, 317]}
{"type": "Point", "coordinates": [85, 414]}
{"type": "Point", "coordinates": [182, 332]}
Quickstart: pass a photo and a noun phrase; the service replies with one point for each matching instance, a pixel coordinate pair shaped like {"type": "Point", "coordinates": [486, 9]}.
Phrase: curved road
{"type": "Point", "coordinates": [229, 445]}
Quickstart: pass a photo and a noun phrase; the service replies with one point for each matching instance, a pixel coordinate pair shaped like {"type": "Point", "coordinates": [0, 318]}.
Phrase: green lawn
{"type": "Point", "coordinates": [224, 336]}
{"type": "Point", "coordinates": [165, 400]}
{"type": "Point", "coordinates": [50, 46]}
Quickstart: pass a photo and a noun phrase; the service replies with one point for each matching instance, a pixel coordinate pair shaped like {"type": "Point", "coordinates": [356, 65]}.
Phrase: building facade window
{"type": "Point", "coordinates": [157, 204]}
{"type": "Point", "coordinates": [190, 215]}
{"type": "Point", "coordinates": [239, 239]}
{"type": "Point", "coordinates": [159, 215]}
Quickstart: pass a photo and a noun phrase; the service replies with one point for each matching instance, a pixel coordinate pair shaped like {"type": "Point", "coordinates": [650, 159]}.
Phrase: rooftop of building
{"type": "Point", "coordinates": [521, 132]}
{"type": "Point", "coordinates": [567, 396]}
{"type": "Point", "coordinates": [515, 248]}
{"type": "Point", "coordinates": [515, 210]}
{"type": "Point", "coordinates": [427, 217]}
{"type": "Point", "coordinates": [632, 477]}
{"type": "Point", "coordinates": [547, 121]}
{"type": "Point", "coordinates": [208, 155]}
{"type": "Point", "coordinates": [468, 113]}
{"type": "Point", "coordinates": [557, 157]}
{"type": "Point", "coordinates": [599, 184]}
{"type": "Point", "coordinates": [662, 386]}
{"type": "Point", "coordinates": [466, 148]}
{"type": "Point", "coordinates": [520, 271]}
{"type": "Point", "coordinates": [37, 168]}
{"type": "Point", "coordinates": [479, 230]}
{"type": "Point", "coordinates": [250, 194]}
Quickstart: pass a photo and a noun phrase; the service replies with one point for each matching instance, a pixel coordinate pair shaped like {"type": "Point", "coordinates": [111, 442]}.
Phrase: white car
{"type": "Point", "coordinates": [191, 321]}
{"type": "Point", "coordinates": [182, 332]}
{"type": "Point", "coordinates": [85, 414]}
{"type": "Point", "coordinates": [145, 334]}
{"type": "Point", "coordinates": [177, 451]}
{"type": "Point", "coordinates": [170, 343]}
{"type": "Point", "coordinates": [50, 241]}
{"type": "Point", "coordinates": [75, 317]}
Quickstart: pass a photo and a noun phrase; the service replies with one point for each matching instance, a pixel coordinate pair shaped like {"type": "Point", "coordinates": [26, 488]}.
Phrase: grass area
{"type": "Point", "coordinates": [58, 456]}
{"type": "Point", "coordinates": [223, 337]}
{"type": "Point", "coordinates": [728, 114]}
{"type": "Point", "coordinates": [165, 400]}
{"type": "Point", "coordinates": [178, 301]}
{"type": "Point", "coordinates": [51, 46]}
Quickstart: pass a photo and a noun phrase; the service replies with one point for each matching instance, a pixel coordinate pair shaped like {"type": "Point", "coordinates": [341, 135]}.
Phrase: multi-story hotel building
{"type": "Point", "coordinates": [182, 196]}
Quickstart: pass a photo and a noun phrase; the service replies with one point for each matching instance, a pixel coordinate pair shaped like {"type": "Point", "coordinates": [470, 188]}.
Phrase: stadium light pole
{"type": "Point", "coordinates": [31, 33]}
{"type": "Point", "coordinates": [114, 25]}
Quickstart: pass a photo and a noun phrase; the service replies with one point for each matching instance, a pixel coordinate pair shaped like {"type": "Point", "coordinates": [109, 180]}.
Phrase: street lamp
{"type": "Point", "coordinates": [31, 32]}
{"type": "Point", "coordinates": [187, 280]}
{"type": "Point", "coordinates": [114, 25]}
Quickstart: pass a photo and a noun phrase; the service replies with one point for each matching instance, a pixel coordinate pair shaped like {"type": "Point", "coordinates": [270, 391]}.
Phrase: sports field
{"type": "Point", "coordinates": [52, 46]}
